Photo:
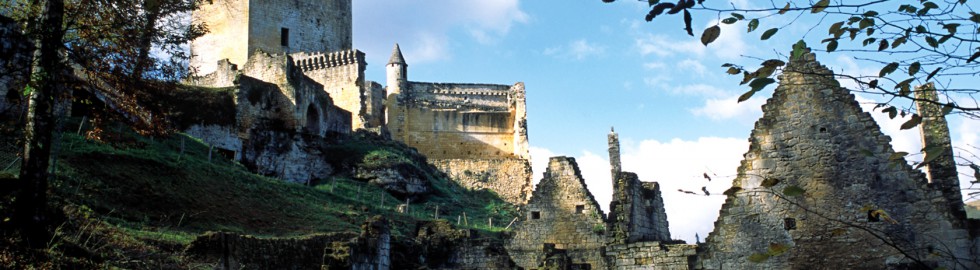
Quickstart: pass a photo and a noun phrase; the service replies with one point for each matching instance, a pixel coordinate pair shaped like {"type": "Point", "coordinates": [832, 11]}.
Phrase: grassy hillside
{"type": "Point", "coordinates": [149, 197]}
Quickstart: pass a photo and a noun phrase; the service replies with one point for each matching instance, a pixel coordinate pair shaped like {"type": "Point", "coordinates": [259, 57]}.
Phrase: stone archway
{"type": "Point", "coordinates": [312, 119]}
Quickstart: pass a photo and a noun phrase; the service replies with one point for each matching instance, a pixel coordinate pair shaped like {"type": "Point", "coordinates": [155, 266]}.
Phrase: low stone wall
{"type": "Point", "coordinates": [651, 255]}
{"type": "Point", "coordinates": [509, 178]}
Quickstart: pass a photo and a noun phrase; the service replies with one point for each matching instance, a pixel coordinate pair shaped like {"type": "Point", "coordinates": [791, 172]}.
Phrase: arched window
{"type": "Point", "coordinates": [312, 120]}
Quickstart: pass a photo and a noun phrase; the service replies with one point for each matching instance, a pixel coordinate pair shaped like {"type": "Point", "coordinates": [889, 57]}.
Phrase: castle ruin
{"type": "Point", "coordinates": [475, 133]}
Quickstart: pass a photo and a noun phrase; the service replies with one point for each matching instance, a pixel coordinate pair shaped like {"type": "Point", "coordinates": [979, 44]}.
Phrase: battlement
{"type": "Point", "coordinates": [317, 61]}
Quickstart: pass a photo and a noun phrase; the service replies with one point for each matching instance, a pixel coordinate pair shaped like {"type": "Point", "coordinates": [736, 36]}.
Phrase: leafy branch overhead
{"type": "Point", "coordinates": [928, 41]}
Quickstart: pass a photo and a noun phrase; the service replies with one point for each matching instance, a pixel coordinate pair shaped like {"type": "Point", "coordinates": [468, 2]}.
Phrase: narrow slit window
{"type": "Point", "coordinates": [284, 37]}
{"type": "Point", "coordinates": [535, 215]}
{"type": "Point", "coordinates": [580, 209]}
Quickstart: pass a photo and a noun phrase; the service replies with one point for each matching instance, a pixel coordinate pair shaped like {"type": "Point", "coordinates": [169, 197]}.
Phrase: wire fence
{"type": "Point", "coordinates": [9, 156]}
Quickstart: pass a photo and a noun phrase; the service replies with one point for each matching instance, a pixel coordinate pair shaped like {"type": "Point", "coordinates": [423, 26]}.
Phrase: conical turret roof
{"type": "Point", "coordinates": [396, 56]}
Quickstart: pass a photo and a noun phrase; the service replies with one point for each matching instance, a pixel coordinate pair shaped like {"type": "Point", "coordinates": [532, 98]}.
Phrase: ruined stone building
{"type": "Point", "coordinates": [821, 187]}
{"type": "Point", "coordinates": [564, 228]}
{"type": "Point", "coordinates": [476, 133]}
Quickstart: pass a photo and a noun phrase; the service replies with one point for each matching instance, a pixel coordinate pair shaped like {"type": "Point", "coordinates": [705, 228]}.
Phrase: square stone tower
{"type": "Point", "coordinates": [239, 28]}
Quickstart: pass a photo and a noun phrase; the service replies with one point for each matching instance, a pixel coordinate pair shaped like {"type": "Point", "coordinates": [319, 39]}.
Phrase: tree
{"type": "Point", "coordinates": [912, 43]}
{"type": "Point", "coordinates": [109, 43]}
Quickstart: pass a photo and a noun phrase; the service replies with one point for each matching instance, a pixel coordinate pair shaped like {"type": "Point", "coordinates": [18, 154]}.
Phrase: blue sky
{"type": "Point", "coordinates": [588, 66]}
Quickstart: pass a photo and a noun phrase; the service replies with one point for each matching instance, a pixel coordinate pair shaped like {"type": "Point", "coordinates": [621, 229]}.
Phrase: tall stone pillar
{"type": "Point", "coordinates": [941, 171]}
{"type": "Point", "coordinates": [614, 163]}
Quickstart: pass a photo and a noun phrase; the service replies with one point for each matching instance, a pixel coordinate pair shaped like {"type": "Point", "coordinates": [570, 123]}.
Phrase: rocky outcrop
{"type": "Point", "coordinates": [399, 179]}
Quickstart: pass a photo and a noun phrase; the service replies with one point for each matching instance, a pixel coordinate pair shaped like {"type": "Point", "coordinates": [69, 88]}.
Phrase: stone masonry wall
{"type": "Point", "coordinates": [227, 36]}
{"type": "Point", "coordinates": [444, 121]}
{"type": "Point", "coordinates": [814, 137]}
{"type": "Point", "coordinates": [509, 178]}
{"type": "Point", "coordinates": [636, 212]}
{"type": "Point", "coordinates": [15, 59]}
{"type": "Point", "coordinates": [561, 212]}
{"type": "Point", "coordinates": [651, 255]}
{"type": "Point", "coordinates": [342, 75]}
{"type": "Point", "coordinates": [941, 171]}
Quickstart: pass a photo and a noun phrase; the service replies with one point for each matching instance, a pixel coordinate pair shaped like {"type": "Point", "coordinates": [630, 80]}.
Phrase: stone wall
{"type": "Point", "coordinates": [809, 191]}
{"type": "Point", "coordinates": [941, 171]}
{"type": "Point", "coordinates": [509, 178]}
{"type": "Point", "coordinates": [15, 58]}
{"type": "Point", "coordinates": [342, 75]}
{"type": "Point", "coordinates": [636, 212]}
{"type": "Point", "coordinates": [461, 120]}
{"type": "Point", "coordinates": [239, 28]}
{"type": "Point", "coordinates": [563, 213]}
{"type": "Point", "coordinates": [651, 255]}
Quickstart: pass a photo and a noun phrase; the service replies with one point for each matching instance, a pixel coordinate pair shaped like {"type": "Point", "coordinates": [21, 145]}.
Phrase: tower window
{"type": "Point", "coordinates": [284, 37]}
{"type": "Point", "coordinates": [535, 215]}
{"type": "Point", "coordinates": [580, 209]}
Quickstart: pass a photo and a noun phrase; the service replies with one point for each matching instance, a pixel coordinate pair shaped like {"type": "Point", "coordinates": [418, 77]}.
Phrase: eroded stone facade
{"type": "Point", "coordinates": [809, 191]}
{"type": "Point", "coordinates": [509, 178]}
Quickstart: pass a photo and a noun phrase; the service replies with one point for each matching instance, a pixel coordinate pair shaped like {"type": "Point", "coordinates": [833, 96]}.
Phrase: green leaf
{"type": "Point", "coordinates": [798, 49]}
{"type": "Point", "coordinates": [653, 2]}
{"type": "Point", "coordinates": [897, 156]}
{"type": "Point", "coordinates": [932, 41]}
{"type": "Point", "coordinates": [738, 16]}
{"type": "Point", "coordinates": [753, 24]}
{"type": "Point", "coordinates": [768, 33]}
{"type": "Point", "coordinates": [911, 123]}
{"type": "Point", "coordinates": [769, 182]}
{"type": "Point", "coordinates": [835, 28]}
{"type": "Point", "coordinates": [951, 27]}
{"type": "Point", "coordinates": [784, 9]}
{"type": "Point", "coordinates": [933, 73]}
{"type": "Point", "coordinates": [774, 63]}
{"type": "Point", "coordinates": [973, 57]}
{"type": "Point", "coordinates": [731, 191]}
{"type": "Point", "coordinates": [930, 5]}
{"type": "Point", "coordinates": [776, 249]}
{"type": "Point", "coordinates": [733, 70]}
{"type": "Point", "coordinates": [888, 69]}
{"type": "Point", "coordinates": [873, 84]}
{"type": "Point", "coordinates": [948, 108]}
{"type": "Point", "coordinates": [931, 153]}
{"type": "Point", "coordinates": [758, 257]}
{"type": "Point", "coordinates": [870, 14]}
{"type": "Point", "coordinates": [760, 83]}
{"type": "Point", "coordinates": [866, 22]}
{"type": "Point", "coordinates": [892, 112]}
{"type": "Point", "coordinates": [914, 68]}
{"type": "Point", "coordinates": [746, 95]}
{"type": "Point", "coordinates": [974, 17]}
{"type": "Point", "coordinates": [882, 45]}
{"type": "Point", "coordinates": [898, 41]}
{"type": "Point", "coordinates": [868, 41]}
{"type": "Point", "coordinates": [793, 191]}
{"type": "Point", "coordinates": [820, 6]}
{"type": "Point", "coordinates": [729, 20]}
{"type": "Point", "coordinates": [832, 46]}
{"type": "Point", "coordinates": [920, 29]}
{"type": "Point", "coordinates": [710, 35]}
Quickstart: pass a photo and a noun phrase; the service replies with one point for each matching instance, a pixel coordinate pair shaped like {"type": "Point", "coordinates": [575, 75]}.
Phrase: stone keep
{"type": "Point", "coordinates": [239, 28]}
{"type": "Point", "coordinates": [476, 133]}
{"type": "Point", "coordinates": [636, 212]}
{"type": "Point", "coordinates": [813, 137]}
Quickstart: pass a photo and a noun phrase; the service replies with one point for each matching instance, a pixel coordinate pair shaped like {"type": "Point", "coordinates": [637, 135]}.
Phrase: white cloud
{"type": "Point", "coordinates": [678, 164]}
{"type": "Point", "coordinates": [730, 108]}
{"type": "Point", "coordinates": [700, 89]}
{"type": "Point", "coordinates": [539, 162]}
{"type": "Point", "coordinates": [661, 45]}
{"type": "Point", "coordinates": [692, 65]}
{"type": "Point", "coordinates": [729, 45]}
{"type": "Point", "coordinates": [577, 49]}
{"type": "Point", "coordinates": [654, 65]}
{"type": "Point", "coordinates": [380, 24]}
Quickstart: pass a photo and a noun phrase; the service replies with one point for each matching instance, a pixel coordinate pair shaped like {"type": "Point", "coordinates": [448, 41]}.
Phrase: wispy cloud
{"type": "Point", "coordinates": [380, 24]}
{"type": "Point", "coordinates": [730, 108]}
{"type": "Point", "coordinates": [577, 49]}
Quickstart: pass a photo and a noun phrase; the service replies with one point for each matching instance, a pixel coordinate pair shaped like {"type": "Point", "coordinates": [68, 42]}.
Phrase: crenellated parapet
{"type": "Point", "coordinates": [317, 61]}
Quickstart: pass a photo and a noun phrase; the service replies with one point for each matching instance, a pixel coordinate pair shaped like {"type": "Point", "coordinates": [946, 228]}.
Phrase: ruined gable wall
{"type": "Point", "coordinates": [227, 36]}
{"type": "Point", "coordinates": [567, 216]}
{"type": "Point", "coordinates": [813, 135]}
{"type": "Point", "coordinates": [342, 75]}
{"type": "Point", "coordinates": [508, 178]}
{"type": "Point", "coordinates": [314, 25]}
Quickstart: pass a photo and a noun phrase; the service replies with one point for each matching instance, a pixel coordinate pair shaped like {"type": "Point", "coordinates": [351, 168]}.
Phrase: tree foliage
{"type": "Point", "coordinates": [928, 41]}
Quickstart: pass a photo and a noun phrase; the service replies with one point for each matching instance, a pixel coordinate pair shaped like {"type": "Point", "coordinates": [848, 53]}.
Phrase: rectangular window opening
{"type": "Point", "coordinates": [284, 37]}
{"type": "Point", "coordinates": [789, 224]}
{"type": "Point", "coordinates": [580, 209]}
{"type": "Point", "coordinates": [535, 215]}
